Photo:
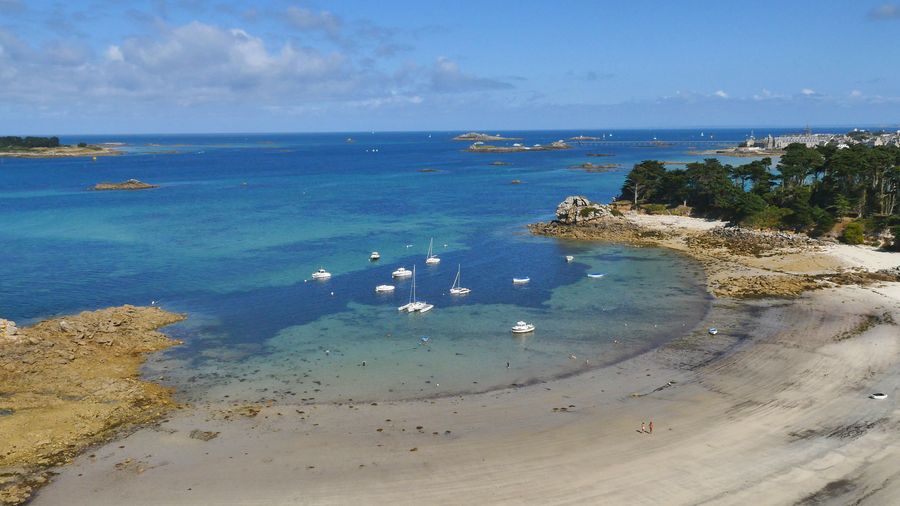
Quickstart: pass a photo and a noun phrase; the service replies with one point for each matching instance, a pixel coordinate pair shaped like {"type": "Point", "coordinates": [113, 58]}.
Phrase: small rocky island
{"type": "Point", "coordinates": [477, 136]}
{"type": "Point", "coordinates": [131, 184]}
{"type": "Point", "coordinates": [480, 147]}
{"type": "Point", "coordinates": [598, 167]}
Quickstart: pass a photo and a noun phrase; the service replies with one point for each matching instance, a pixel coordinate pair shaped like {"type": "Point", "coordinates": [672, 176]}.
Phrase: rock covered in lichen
{"type": "Point", "coordinates": [579, 209]}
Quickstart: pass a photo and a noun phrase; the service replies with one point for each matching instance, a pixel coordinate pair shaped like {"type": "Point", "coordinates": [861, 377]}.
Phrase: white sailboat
{"type": "Point", "coordinates": [431, 258]}
{"type": "Point", "coordinates": [415, 305]}
{"type": "Point", "coordinates": [456, 289]}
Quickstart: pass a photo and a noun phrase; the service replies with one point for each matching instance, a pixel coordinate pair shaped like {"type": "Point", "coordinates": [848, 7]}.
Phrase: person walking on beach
{"type": "Point", "coordinates": [651, 426]}
{"type": "Point", "coordinates": [643, 427]}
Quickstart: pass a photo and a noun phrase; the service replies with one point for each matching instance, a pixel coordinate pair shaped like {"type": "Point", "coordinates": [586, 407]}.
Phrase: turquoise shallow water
{"type": "Point", "coordinates": [240, 223]}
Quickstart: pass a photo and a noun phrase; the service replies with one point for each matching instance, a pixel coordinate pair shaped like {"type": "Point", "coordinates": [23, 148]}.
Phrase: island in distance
{"type": "Point", "coordinates": [476, 136]}
{"type": "Point", "coordinates": [49, 147]}
{"type": "Point", "coordinates": [480, 147]}
{"type": "Point", "coordinates": [131, 184]}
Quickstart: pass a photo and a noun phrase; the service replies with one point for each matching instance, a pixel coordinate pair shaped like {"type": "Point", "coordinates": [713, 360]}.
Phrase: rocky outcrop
{"type": "Point", "coordinates": [131, 184]}
{"type": "Point", "coordinates": [577, 209]}
{"type": "Point", "coordinates": [71, 383]}
{"type": "Point", "coordinates": [8, 330]}
{"type": "Point", "coordinates": [478, 136]}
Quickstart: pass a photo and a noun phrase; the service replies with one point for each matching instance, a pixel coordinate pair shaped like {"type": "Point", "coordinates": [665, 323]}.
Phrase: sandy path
{"type": "Point", "coordinates": [783, 416]}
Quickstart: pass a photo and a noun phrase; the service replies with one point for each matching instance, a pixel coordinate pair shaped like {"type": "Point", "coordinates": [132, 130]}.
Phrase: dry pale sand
{"type": "Point", "coordinates": [773, 410]}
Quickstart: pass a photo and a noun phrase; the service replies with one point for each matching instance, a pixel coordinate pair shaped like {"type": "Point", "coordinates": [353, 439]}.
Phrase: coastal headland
{"type": "Point", "coordinates": [773, 409]}
{"type": "Point", "coordinates": [72, 382]}
{"type": "Point", "coordinates": [61, 152]}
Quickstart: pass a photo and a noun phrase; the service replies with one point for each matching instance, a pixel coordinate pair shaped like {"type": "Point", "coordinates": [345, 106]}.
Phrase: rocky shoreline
{"type": "Point", "coordinates": [72, 382]}
{"type": "Point", "coordinates": [740, 262]}
{"type": "Point", "coordinates": [61, 152]}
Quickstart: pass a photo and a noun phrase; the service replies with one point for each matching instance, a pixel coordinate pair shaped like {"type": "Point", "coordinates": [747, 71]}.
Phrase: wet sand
{"type": "Point", "coordinates": [771, 411]}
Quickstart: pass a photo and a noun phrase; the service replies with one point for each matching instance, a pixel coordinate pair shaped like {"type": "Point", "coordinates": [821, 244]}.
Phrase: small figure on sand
{"type": "Point", "coordinates": [651, 426]}
{"type": "Point", "coordinates": [643, 427]}
{"type": "Point", "coordinates": [507, 365]}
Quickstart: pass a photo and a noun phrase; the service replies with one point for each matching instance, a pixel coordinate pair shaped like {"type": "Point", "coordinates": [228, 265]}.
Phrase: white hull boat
{"type": "Point", "coordinates": [595, 275]}
{"type": "Point", "coordinates": [374, 256]}
{"type": "Point", "coordinates": [569, 258]}
{"type": "Point", "coordinates": [521, 281]}
{"type": "Point", "coordinates": [321, 274]}
{"type": "Point", "coordinates": [402, 272]}
{"type": "Point", "coordinates": [456, 289]}
{"type": "Point", "coordinates": [384, 288]}
{"type": "Point", "coordinates": [415, 306]}
{"type": "Point", "coordinates": [431, 258]}
{"type": "Point", "coordinates": [522, 328]}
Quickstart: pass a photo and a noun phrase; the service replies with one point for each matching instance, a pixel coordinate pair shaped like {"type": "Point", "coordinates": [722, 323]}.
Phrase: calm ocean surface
{"type": "Point", "coordinates": [241, 221]}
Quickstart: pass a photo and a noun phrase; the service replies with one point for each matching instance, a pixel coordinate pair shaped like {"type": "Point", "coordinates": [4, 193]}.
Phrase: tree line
{"type": "Point", "coordinates": [29, 142]}
{"type": "Point", "coordinates": [809, 190]}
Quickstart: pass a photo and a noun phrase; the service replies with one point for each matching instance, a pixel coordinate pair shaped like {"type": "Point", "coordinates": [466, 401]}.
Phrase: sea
{"type": "Point", "coordinates": [241, 221]}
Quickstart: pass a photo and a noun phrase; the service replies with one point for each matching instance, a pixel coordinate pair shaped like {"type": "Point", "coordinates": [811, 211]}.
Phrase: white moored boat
{"type": "Point", "coordinates": [321, 274]}
{"type": "Point", "coordinates": [415, 306]}
{"type": "Point", "coordinates": [522, 327]}
{"type": "Point", "coordinates": [596, 275]}
{"type": "Point", "coordinates": [402, 272]}
{"type": "Point", "coordinates": [569, 258]}
{"type": "Point", "coordinates": [521, 281]}
{"type": "Point", "coordinates": [713, 331]}
{"type": "Point", "coordinates": [456, 289]}
{"type": "Point", "coordinates": [374, 256]}
{"type": "Point", "coordinates": [431, 258]}
{"type": "Point", "coordinates": [384, 288]}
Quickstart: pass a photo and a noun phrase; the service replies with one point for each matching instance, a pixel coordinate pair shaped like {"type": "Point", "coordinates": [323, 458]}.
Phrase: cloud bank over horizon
{"type": "Point", "coordinates": [286, 66]}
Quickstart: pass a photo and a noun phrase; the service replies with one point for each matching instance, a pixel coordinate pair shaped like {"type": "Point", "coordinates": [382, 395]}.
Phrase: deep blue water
{"type": "Point", "coordinates": [240, 222]}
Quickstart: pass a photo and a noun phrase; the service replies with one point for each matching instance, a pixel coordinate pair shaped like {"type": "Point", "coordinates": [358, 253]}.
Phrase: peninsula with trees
{"type": "Point", "coordinates": [48, 147]}
{"type": "Point", "coordinates": [847, 191]}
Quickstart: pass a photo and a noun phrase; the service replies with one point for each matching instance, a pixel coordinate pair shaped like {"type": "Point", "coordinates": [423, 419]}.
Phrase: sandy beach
{"type": "Point", "coordinates": [775, 409]}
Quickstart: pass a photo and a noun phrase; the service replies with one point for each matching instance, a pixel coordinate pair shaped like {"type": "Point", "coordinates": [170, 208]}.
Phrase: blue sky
{"type": "Point", "coordinates": [108, 66]}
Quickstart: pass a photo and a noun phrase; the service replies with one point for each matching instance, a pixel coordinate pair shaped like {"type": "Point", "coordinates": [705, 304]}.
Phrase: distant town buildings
{"type": "Point", "coordinates": [811, 140]}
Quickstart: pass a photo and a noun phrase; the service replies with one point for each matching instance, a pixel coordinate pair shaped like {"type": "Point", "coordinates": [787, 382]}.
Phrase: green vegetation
{"type": "Point", "coordinates": [809, 190]}
{"type": "Point", "coordinates": [853, 233]}
{"type": "Point", "coordinates": [11, 142]}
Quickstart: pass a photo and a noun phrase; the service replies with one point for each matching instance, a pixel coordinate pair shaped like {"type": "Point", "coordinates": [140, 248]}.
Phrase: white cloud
{"type": "Point", "coordinates": [856, 94]}
{"type": "Point", "coordinates": [885, 12]}
{"type": "Point", "coordinates": [721, 94]}
{"type": "Point", "coordinates": [113, 53]}
{"type": "Point", "coordinates": [808, 92]}
{"type": "Point", "coordinates": [446, 77]}
{"type": "Point", "coordinates": [305, 19]}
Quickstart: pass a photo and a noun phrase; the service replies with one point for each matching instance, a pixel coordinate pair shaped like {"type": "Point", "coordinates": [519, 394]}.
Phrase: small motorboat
{"type": "Point", "coordinates": [521, 281]}
{"type": "Point", "coordinates": [321, 274]}
{"type": "Point", "coordinates": [569, 258]}
{"type": "Point", "coordinates": [374, 256]}
{"type": "Point", "coordinates": [713, 331]}
{"type": "Point", "coordinates": [384, 288]}
{"type": "Point", "coordinates": [522, 327]}
{"type": "Point", "coordinates": [596, 275]}
{"type": "Point", "coordinates": [879, 396]}
{"type": "Point", "coordinates": [402, 272]}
